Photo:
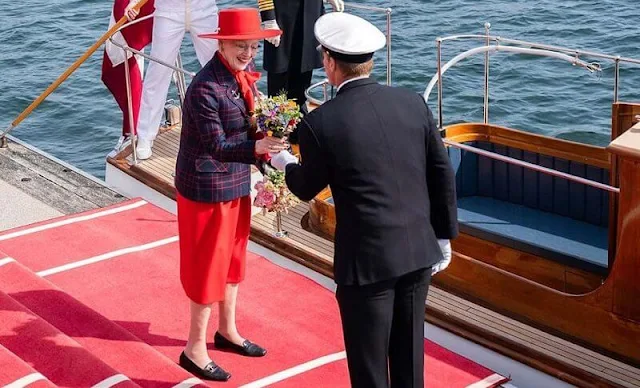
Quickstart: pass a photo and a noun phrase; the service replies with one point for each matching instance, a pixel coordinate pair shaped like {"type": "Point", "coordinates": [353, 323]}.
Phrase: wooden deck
{"type": "Point", "coordinates": [553, 355]}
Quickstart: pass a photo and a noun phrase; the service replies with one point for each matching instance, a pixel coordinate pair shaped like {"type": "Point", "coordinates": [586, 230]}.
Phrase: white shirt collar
{"type": "Point", "coordinates": [351, 80]}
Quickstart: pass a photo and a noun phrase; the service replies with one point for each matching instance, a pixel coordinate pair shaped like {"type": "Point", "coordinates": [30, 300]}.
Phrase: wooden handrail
{"type": "Point", "coordinates": [69, 70]}
{"type": "Point", "coordinates": [627, 144]}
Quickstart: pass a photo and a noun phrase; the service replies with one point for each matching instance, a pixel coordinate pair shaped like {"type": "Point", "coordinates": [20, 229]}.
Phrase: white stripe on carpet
{"type": "Point", "coordinates": [26, 380]}
{"type": "Point", "coordinates": [111, 381]}
{"type": "Point", "coordinates": [72, 220]}
{"type": "Point", "coordinates": [296, 370]}
{"type": "Point", "coordinates": [189, 383]}
{"type": "Point", "coordinates": [6, 260]}
{"type": "Point", "coordinates": [107, 256]}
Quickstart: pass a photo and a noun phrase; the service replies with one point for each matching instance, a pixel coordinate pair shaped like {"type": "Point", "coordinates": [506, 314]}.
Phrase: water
{"type": "Point", "coordinates": [80, 122]}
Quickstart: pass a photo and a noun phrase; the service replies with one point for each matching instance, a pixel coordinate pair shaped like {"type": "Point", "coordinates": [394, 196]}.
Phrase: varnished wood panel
{"type": "Point", "coordinates": [626, 290]}
{"type": "Point", "coordinates": [540, 270]}
{"type": "Point", "coordinates": [623, 117]}
{"type": "Point", "coordinates": [587, 318]}
{"type": "Point", "coordinates": [577, 152]}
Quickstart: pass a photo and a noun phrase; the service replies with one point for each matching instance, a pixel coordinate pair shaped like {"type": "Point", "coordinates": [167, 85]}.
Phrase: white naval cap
{"type": "Point", "coordinates": [347, 37]}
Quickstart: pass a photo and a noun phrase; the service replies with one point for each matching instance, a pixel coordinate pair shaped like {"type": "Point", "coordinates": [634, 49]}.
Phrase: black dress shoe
{"type": "Point", "coordinates": [247, 348]}
{"type": "Point", "coordinates": [209, 372]}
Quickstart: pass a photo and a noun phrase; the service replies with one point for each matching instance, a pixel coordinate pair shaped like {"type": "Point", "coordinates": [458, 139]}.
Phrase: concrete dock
{"type": "Point", "coordinates": [35, 186]}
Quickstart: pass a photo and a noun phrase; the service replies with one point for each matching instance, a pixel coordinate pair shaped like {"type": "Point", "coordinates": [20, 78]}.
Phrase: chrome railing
{"type": "Point", "coordinates": [325, 83]}
{"type": "Point", "coordinates": [178, 77]}
{"type": "Point", "coordinates": [497, 43]}
{"type": "Point", "coordinates": [521, 47]}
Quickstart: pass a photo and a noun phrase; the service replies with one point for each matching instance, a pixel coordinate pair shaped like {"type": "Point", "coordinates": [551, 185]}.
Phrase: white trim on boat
{"type": "Point", "coordinates": [296, 370]}
{"type": "Point", "coordinates": [26, 380]}
{"type": "Point", "coordinates": [189, 383]}
{"type": "Point", "coordinates": [130, 187]}
{"type": "Point", "coordinates": [6, 260]}
{"type": "Point", "coordinates": [73, 220]}
{"type": "Point", "coordinates": [111, 381]}
{"type": "Point", "coordinates": [489, 381]}
{"type": "Point", "coordinates": [107, 256]}
{"type": "Point", "coordinates": [291, 265]}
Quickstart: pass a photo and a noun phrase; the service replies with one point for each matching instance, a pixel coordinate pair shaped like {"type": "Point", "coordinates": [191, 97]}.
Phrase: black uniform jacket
{"type": "Point", "coordinates": [393, 186]}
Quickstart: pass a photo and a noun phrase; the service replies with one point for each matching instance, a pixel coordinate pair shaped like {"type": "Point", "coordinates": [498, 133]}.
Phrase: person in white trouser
{"type": "Point", "coordinates": [172, 18]}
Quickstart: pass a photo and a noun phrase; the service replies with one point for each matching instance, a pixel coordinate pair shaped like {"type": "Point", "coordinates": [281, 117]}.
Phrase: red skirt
{"type": "Point", "coordinates": [213, 246]}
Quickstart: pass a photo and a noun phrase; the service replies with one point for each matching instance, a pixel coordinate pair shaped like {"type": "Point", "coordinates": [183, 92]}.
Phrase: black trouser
{"type": "Point", "coordinates": [293, 83]}
{"type": "Point", "coordinates": [383, 326]}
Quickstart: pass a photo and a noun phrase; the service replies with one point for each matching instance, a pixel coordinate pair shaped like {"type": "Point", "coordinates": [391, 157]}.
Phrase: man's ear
{"type": "Point", "coordinates": [332, 63]}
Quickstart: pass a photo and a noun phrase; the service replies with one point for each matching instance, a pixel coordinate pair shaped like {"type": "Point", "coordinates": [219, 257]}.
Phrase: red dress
{"type": "Point", "coordinates": [214, 235]}
{"type": "Point", "coordinates": [213, 246]}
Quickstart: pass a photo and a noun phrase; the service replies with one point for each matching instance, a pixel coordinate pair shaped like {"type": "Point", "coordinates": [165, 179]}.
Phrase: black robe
{"type": "Point", "coordinates": [297, 50]}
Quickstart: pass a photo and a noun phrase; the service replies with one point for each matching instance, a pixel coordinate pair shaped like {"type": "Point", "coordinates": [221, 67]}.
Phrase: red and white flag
{"type": "Point", "coordinates": [136, 36]}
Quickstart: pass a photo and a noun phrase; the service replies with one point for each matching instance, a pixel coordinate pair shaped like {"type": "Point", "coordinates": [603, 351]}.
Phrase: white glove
{"type": "Point", "coordinates": [445, 247]}
{"type": "Point", "coordinates": [282, 159]}
{"type": "Point", "coordinates": [338, 5]}
{"type": "Point", "coordinates": [272, 25]}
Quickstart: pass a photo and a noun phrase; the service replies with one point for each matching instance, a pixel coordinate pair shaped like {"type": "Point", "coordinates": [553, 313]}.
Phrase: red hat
{"type": "Point", "coordinates": [240, 24]}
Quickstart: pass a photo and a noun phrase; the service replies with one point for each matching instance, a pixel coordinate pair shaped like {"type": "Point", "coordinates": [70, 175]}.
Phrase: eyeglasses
{"type": "Point", "coordinates": [246, 47]}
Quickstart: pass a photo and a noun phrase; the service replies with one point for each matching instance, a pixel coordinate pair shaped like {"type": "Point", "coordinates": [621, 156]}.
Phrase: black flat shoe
{"type": "Point", "coordinates": [209, 372]}
{"type": "Point", "coordinates": [247, 348]}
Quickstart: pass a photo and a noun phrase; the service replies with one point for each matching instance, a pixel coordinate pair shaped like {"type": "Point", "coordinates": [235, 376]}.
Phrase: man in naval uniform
{"type": "Point", "coordinates": [291, 59]}
{"type": "Point", "coordinates": [393, 187]}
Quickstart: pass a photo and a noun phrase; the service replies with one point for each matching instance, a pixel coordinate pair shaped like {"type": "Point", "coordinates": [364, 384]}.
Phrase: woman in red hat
{"type": "Point", "coordinates": [213, 176]}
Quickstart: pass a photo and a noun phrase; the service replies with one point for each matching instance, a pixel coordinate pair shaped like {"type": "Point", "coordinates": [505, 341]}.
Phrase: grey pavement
{"type": "Point", "coordinates": [35, 186]}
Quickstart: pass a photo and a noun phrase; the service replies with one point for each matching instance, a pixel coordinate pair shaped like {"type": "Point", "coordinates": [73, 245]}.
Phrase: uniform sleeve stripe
{"type": "Point", "coordinates": [265, 5]}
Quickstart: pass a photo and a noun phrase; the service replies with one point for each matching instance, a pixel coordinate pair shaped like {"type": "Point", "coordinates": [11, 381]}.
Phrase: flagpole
{"type": "Point", "coordinates": [69, 70]}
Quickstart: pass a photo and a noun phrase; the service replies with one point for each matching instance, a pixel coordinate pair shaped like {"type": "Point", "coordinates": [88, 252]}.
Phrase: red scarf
{"type": "Point", "coordinates": [246, 80]}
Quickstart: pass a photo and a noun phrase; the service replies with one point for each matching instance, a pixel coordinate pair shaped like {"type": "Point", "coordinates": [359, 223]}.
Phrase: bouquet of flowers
{"type": "Point", "coordinates": [275, 116]}
{"type": "Point", "coordinates": [273, 194]}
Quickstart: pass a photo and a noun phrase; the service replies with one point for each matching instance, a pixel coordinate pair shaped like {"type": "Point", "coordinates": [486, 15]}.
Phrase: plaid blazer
{"type": "Point", "coordinates": [215, 152]}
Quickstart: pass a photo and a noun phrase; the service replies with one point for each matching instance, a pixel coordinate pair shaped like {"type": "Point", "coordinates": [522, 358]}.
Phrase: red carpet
{"type": "Point", "coordinates": [140, 293]}
{"type": "Point", "coordinates": [442, 369]}
{"type": "Point", "coordinates": [274, 310]}
{"type": "Point", "coordinates": [62, 360]}
{"type": "Point", "coordinates": [14, 369]}
{"type": "Point", "coordinates": [69, 243]}
{"type": "Point", "coordinates": [114, 345]}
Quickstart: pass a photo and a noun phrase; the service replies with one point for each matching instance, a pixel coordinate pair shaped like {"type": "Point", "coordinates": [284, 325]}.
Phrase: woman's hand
{"type": "Point", "coordinates": [271, 145]}
{"type": "Point", "coordinates": [129, 12]}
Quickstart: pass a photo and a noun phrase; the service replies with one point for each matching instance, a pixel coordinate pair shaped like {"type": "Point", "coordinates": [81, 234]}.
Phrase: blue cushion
{"type": "Point", "coordinates": [544, 234]}
{"type": "Point", "coordinates": [480, 175]}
